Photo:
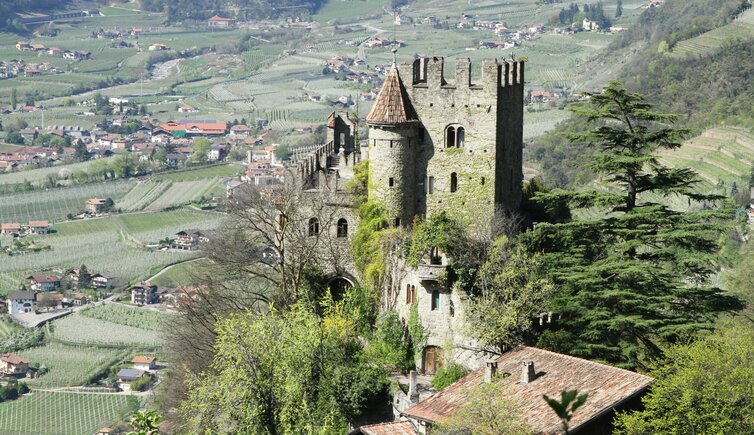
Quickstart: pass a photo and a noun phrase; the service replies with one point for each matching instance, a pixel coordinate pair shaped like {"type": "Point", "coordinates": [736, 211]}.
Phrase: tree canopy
{"type": "Point", "coordinates": [640, 275]}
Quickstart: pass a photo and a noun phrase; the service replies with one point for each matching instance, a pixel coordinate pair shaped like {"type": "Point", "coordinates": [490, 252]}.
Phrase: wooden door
{"type": "Point", "coordinates": [432, 359]}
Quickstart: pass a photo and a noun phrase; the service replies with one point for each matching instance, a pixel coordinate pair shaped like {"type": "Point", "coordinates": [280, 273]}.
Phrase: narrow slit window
{"type": "Point", "coordinates": [453, 182]}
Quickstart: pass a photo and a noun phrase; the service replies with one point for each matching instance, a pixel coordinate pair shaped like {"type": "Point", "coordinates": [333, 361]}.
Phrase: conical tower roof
{"type": "Point", "coordinates": [392, 105]}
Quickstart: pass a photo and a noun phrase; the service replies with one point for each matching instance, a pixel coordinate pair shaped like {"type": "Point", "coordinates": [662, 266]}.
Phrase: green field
{"type": "Point", "coordinates": [113, 244]}
{"type": "Point", "coordinates": [201, 173]}
{"type": "Point", "coordinates": [182, 274]}
{"type": "Point", "coordinates": [81, 330]}
{"type": "Point", "coordinates": [120, 314]}
{"type": "Point", "coordinates": [70, 365]}
{"type": "Point", "coordinates": [57, 413]}
{"type": "Point", "coordinates": [40, 175]}
{"type": "Point", "coordinates": [56, 204]}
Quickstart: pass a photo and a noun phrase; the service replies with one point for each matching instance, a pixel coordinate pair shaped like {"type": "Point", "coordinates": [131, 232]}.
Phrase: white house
{"type": "Point", "coordinates": [145, 363]}
{"type": "Point", "coordinates": [21, 302]}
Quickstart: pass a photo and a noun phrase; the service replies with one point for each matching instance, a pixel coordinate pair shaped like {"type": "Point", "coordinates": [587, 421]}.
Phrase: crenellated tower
{"type": "Point", "coordinates": [453, 144]}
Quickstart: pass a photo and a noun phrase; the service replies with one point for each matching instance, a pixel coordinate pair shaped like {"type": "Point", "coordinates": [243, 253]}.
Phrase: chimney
{"type": "Point", "coordinates": [527, 373]}
{"type": "Point", "coordinates": [413, 392]}
{"type": "Point", "coordinates": [490, 370]}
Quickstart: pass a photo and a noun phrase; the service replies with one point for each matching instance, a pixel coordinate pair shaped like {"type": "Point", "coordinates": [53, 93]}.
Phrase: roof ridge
{"type": "Point", "coordinates": [582, 360]}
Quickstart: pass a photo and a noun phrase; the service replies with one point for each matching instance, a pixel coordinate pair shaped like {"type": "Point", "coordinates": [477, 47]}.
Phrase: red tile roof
{"type": "Point", "coordinates": [12, 358]}
{"type": "Point", "coordinates": [219, 18]}
{"type": "Point", "coordinates": [39, 224]}
{"type": "Point", "coordinates": [607, 387]}
{"type": "Point", "coordinates": [392, 105]}
{"type": "Point", "coordinates": [392, 428]}
{"type": "Point", "coordinates": [143, 360]}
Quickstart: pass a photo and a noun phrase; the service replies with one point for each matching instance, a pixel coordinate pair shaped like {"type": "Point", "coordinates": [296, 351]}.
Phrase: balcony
{"type": "Point", "coordinates": [430, 272]}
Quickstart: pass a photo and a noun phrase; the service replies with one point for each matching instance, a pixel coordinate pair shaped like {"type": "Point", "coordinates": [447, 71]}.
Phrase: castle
{"type": "Point", "coordinates": [434, 144]}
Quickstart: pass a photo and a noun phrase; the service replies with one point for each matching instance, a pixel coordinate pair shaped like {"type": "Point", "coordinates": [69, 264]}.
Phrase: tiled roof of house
{"type": "Point", "coordinates": [143, 359]}
{"type": "Point", "coordinates": [39, 224]}
{"type": "Point", "coordinates": [12, 358]}
{"type": "Point", "coordinates": [393, 105]}
{"type": "Point", "coordinates": [607, 386]}
{"type": "Point", "coordinates": [392, 428]}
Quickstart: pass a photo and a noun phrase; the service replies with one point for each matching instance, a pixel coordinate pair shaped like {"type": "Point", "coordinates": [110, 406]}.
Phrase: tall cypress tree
{"type": "Point", "coordinates": [639, 275]}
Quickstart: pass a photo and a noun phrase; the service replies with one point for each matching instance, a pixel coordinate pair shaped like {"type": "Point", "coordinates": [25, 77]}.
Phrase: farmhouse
{"type": "Point", "coordinates": [39, 227]}
{"type": "Point", "coordinates": [50, 300]}
{"type": "Point", "coordinates": [194, 128]}
{"type": "Point", "coordinates": [187, 109]}
{"type": "Point", "coordinates": [12, 364]}
{"type": "Point", "coordinates": [43, 282]}
{"type": "Point", "coordinates": [13, 229]}
{"type": "Point", "coordinates": [143, 294]}
{"type": "Point", "coordinates": [129, 375]}
{"type": "Point", "coordinates": [145, 363]}
{"type": "Point", "coordinates": [240, 130]}
{"type": "Point", "coordinates": [218, 22]}
{"type": "Point", "coordinates": [180, 297]}
{"type": "Point", "coordinates": [190, 239]}
{"type": "Point", "coordinates": [103, 280]}
{"type": "Point", "coordinates": [95, 205]}
{"type": "Point", "coordinates": [528, 373]}
{"type": "Point", "coordinates": [21, 302]}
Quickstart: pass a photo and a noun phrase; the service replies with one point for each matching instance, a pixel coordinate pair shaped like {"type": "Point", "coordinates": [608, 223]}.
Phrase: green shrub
{"type": "Point", "coordinates": [447, 375]}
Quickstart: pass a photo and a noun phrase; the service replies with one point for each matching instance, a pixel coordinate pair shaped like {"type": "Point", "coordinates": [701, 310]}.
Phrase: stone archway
{"type": "Point", "coordinates": [338, 287]}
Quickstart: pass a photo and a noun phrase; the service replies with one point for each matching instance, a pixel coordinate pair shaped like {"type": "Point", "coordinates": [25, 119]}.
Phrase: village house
{"type": "Point", "coordinates": [38, 227]}
{"type": "Point", "coordinates": [190, 240]}
{"type": "Point", "coordinates": [240, 130]}
{"type": "Point", "coordinates": [79, 299]}
{"type": "Point", "coordinates": [23, 46]}
{"type": "Point", "coordinates": [180, 297]}
{"type": "Point", "coordinates": [49, 301]}
{"type": "Point", "coordinates": [528, 373]}
{"type": "Point", "coordinates": [143, 293]}
{"type": "Point", "coordinates": [187, 109]}
{"type": "Point", "coordinates": [12, 364]}
{"type": "Point", "coordinates": [43, 282]}
{"type": "Point", "coordinates": [126, 376]}
{"type": "Point", "coordinates": [193, 128]}
{"type": "Point", "coordinates": [21, 302]}
{"type": "Point", "coordinates": [592, 26]}
{"type": "Point", "coordinates": [10, 229]}
{"type": "Point", "coordinates": [218, 22]}
{"type": "Point", "coordinates": [145, 363]}
{"type": "Point", "coordinates": [175, 159]}
{"type": "Point", "coordinates": [95, 205]}
{"type": "Point", "coordinates": [402, 20]}
{"type": "Point", "coordinates": [103, 280]}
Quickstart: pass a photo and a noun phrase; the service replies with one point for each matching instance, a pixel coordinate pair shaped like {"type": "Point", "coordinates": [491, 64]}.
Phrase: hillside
{"type": "Point", "coordinates": [691, 58]}
{"type": "Point", "coordinates": [9, 9]}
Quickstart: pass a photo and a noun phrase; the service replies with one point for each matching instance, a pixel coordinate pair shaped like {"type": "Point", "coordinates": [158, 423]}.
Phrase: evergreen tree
{"type": "Point", "coordinates": [639, 276]}
{"type": "Point", "coordinates": [619, 9]}
{"type": "Point", "coordinates": [13, 98]}
{"type": "Point", "coordinates": [81, 152]}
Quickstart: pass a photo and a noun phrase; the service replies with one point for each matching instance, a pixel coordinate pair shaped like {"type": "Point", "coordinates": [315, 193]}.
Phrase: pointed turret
{"type": "Point", "coordinates": [393, 105]}
{"type": "Point", "coordinates": [393, 146]}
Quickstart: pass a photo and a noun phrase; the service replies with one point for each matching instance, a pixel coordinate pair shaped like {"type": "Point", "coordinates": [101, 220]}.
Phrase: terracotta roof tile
{"type": "Point", "coordinates": [392, 428]}
{"type": "Point", "coordinates": [393, 105]}
{"type": "Point", "coordinates": [607, 386]}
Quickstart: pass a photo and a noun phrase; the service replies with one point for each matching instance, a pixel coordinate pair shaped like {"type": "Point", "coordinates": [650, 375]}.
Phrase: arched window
{"type": "Point", "coordinates": [453, 182]}
{"type": "Point", "coordinates": [413, 294]}
{"type": "Point", "coordinates": [313, 226]}
{"type": "Point", "coordinates": [342, 227]}
{"type": "Point", "coordinates": [408, 294]}
{"type": "Point", "coordinates": [461, 135]}
{"type": "Point", "coordinates": [450, 137]}
{"type": "Point", "coordinates": [435, 300]}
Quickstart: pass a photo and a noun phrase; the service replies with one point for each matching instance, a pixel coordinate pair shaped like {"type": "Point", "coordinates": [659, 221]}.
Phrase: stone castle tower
{"type": "Point", "coordinates": [455, 145]}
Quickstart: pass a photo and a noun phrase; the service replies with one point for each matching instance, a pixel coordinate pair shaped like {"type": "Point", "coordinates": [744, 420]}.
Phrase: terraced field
{"type": "Point", "coordinates": [720, 154]}
{"type": "Point", "coordinates": [69, 365]}
{"type": "Point", "coordinates": [142, 194]}
{"type": "Point", "coordinates": [741, 28]}
{"type": "Point", "coordinates": [183, 192]}
{"type": "Point", "coordinates": [55, 204]}
{"type": "Point", "coordinates": [57, 413]}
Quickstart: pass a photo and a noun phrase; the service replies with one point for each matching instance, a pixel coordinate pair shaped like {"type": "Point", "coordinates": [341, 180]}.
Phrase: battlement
{"type": "Point", "coordinates": [311, 160]}
{"type": "Point", "coordinates": [429, 72]}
